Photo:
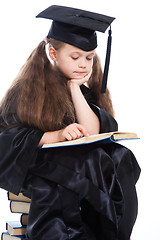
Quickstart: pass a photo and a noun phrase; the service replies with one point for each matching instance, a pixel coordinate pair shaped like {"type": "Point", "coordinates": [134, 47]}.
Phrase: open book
{"type": "Point", "coordinates": [102, 138]}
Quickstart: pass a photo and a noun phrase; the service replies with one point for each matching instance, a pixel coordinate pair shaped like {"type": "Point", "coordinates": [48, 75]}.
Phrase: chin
{"type": "Point", "coordinates": [79, 76]}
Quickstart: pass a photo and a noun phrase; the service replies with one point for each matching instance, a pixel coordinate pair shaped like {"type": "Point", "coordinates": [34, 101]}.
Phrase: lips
{"type": "Point", "coordinates": [81, 72]}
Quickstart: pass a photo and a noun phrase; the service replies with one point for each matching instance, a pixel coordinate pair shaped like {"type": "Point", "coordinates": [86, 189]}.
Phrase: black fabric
{"type": "Point", "coordinates": [75, 26]}
{"type": "Point", "coordinates": [82, 38]}
{"type": "Point", "coordinates": [77, 17]}
{"type": "Point", "coordinates": [18, 149]}
{"type": "Point", "coordinates": [83, 192]}
{"type": "Point", "coordinates": [104, 176]}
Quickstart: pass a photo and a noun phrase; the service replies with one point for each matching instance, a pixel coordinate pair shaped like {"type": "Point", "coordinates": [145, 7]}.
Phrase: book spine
{"type": "Point", "coordinates": [8, 195]}
{"type": "Point", "coordinates": [24, 219]}
{"type": "Point", "coordinates": [2, 235]}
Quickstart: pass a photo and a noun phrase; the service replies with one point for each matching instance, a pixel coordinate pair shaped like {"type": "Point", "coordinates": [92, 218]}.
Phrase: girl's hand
{"type": "Point", "coordinates": [71, 132]}
{"type": "Point", "coordinates": [80, 81]}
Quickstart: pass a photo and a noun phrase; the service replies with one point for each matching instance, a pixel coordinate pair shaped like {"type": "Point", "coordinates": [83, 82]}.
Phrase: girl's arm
{"type": "Point", "coordinates": [85, 116]}
{"type": "Point", "coordinates": [72, 131]}
{"type": "Point", "coordinates": [88, 122]}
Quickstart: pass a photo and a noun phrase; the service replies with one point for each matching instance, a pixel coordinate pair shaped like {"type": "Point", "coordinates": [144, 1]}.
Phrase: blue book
{"type": "Point", "coordinates": [15, 228]}
{"type": "Point", "coordinates": [98, 138]}
{"type": "Point", "coordinates": [7, 236]}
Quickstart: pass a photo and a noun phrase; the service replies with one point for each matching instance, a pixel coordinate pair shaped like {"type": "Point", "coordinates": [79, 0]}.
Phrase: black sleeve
{"type": "Point", "coordinates": [18, 149]}
{"type": "Point", "coordinates": [107, 122]}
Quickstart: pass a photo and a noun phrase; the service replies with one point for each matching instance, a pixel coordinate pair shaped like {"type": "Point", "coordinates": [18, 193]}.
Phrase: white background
{"type": "Point", "coordinates": [133, 81]}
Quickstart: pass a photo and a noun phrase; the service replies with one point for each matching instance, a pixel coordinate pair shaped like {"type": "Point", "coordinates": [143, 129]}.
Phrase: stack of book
{"type": "Point", "coordinates": [16, 229]}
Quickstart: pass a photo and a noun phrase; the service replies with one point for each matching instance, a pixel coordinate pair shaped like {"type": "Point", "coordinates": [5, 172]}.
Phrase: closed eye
{"type": "Point", "coordinates": [89, 58]}
{"type": "Point", "coordinates": [74, 58]}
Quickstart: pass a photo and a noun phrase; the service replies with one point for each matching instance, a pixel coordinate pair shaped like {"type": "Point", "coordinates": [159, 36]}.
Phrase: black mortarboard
{"type": "Point", "coordinates": [78, 28]}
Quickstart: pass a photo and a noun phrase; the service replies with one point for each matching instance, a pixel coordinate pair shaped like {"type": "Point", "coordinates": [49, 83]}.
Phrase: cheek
{"type": "Point", "coordinates": [61, 64]}
{"type": "Point", "coordinates": [90, 65]}
{"type": "Point", "coordinates": [65, 67]}
{"type": "Point", "coordinates": [68, 66]}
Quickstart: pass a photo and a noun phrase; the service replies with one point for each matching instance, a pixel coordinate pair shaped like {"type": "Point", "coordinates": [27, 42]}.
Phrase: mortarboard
{"type": "Point", "coordinates": [78, 28]}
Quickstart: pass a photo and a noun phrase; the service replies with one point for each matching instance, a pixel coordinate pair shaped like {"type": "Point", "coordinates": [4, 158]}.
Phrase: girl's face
{"type": "Point", "coordinates": [73, 62]}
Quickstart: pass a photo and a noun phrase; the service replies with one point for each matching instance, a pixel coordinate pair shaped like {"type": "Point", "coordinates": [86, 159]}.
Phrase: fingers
{"type": "Point", "coordinates": [83, 130]}
{"type": "Point", "coordinates": [80, 81]}
{"type": "Point", "coordinates": [73, 134]}
{"type": "Point", "coordinates": [74, 131]}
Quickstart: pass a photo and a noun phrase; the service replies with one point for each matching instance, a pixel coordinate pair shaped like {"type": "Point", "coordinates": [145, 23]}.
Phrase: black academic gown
{"type": "Point", "coordinates": [84, 192]}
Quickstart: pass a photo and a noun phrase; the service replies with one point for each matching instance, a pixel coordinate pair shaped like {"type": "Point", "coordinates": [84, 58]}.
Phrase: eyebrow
{"type": "Point", "coordinates": [89, 54]}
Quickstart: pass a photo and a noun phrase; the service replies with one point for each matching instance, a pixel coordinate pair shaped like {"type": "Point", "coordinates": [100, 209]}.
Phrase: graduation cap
{"type": "Point", "coordinates": [78, 28]}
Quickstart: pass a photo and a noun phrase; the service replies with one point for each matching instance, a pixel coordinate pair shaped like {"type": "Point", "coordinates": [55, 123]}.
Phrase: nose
{"type": "Point", "coordinates": [82, 63]}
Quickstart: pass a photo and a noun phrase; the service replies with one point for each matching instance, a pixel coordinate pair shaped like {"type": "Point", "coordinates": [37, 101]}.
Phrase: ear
{"type": "Point", "coordinates": [52, 53]}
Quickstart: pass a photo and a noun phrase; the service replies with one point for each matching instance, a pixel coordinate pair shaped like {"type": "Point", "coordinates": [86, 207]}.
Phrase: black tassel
{"type": "Point", "coordinates": [107, 60]}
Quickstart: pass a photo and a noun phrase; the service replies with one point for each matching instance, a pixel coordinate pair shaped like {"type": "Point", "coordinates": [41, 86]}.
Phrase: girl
{"type": "Point", "coordinates": [83, 192]}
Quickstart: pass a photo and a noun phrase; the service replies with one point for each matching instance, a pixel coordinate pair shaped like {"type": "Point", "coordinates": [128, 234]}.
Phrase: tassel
{"type": "Point", "coordinates": [107, 60]}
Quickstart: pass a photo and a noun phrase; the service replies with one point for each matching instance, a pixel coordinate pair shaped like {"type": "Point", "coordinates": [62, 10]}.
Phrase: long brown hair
{"type": "Point", "coordinates": [103, 100]}
{"type": "Point", "coordinates": [39, 96]}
